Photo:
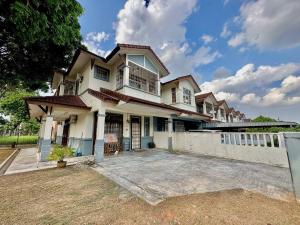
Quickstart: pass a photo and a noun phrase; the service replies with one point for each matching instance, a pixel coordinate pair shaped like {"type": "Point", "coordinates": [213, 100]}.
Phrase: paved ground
{"type": "Point", "coordinates": [155, 175]}
{"type": "Point", "coordinates": [27, 160]}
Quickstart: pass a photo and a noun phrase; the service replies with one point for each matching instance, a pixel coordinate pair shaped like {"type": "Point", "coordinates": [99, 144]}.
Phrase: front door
{"type": "Point", "coordinates": [135, 132]}
{"type": "Point", "coordinates": [65, 136]}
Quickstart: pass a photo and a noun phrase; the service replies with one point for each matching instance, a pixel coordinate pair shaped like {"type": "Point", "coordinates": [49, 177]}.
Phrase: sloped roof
{"type": "Point", "coordinates": [189, 76]}
{"type": "Point", "coordinates": [113, 52]}
{"type": "Point", "coordinates": [202, 97]}
{"type": "Point", "coordinates": [66, 100]}
{"type": "Point", "coordinates": [108, 95]}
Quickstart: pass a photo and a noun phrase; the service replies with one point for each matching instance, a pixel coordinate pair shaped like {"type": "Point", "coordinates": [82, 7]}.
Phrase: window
{"type": "Point", "coordinates": [187, 96]}
{"type": "Point", "coordinates": [69, 87]}
{"type": "Point", "coordinates": [146, 126]}
{"type": "Point", "coordinates": [142, 79]}
{"type": "Point", "coordinates": [200, 108]}
{"type": "Point", "coordinates": [119, 78]}
{"type": "Point", "coordinates": [101, 73]}
{"type": "Point", "coordinates": [137, 82]}
{"type": "Point", "coordinates": [173, 90]}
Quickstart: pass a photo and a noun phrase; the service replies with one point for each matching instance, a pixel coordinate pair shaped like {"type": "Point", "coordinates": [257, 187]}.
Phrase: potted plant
{"type": "Point", "coordinates": [59, 153]}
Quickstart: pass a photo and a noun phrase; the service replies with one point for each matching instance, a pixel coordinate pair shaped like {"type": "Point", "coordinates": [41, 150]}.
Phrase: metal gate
{"type": "Point", "coordinates": [135, 132]}
{"type": "Point", "coordinates": [114, 127]}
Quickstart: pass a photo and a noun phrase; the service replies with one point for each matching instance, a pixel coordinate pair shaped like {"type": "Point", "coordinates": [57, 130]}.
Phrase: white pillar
{"type": "Point", "coordinates": [59, 134]}
{"type": "Point", "coordinates": [219, 114]}
{"type": "Point", "coordinates": [126, 132]}
{"type": "Point", "coordinates": [126, 73]}
{"type": "Point", "coordinates": [204, 108]}
{"type": "Point", "coordinates": [158, 86]}
{"type": "Point", "coordinates": [45, 143]}
{"type": "Point", "coordinates": [265, 140]}
{"type": "Point", "coordinates": [61, 89]}
{"type": "Point", "coordinates": [99, 144]}
{"type": "Point", "coordinates": [170, 133]}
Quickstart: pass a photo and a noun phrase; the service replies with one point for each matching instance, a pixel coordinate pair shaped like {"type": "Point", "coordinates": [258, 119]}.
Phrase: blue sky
{"type": "Point", "coordinates": [244, 51]}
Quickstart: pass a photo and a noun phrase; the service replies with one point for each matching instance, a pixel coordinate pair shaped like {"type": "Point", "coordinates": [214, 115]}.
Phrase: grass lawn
{"type": "Point", "coordinates": [79, 195]}
{"type": "Point", "coordinates": [8, 140]}
{"type": "Point", "coordinates": [5, 153]}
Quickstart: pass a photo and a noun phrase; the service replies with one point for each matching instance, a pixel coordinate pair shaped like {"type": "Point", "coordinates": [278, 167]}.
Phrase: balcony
{"type": "Point", "coordinates": [139, 78]}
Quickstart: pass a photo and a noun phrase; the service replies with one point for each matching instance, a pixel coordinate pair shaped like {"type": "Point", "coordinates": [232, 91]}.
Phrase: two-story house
{"type": "Point", "coordinates": [104, 105]}
{"type": "Point", "coordinates": [180, 92]}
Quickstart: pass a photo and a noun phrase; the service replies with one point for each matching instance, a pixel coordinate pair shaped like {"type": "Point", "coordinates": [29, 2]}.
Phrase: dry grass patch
{"type": "Point", "coordinates": [4, 154]}
{"type": "Point", "coordinates": [79, 195]}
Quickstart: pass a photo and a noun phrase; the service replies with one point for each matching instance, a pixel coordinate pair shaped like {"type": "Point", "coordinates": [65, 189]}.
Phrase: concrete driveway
{"type": "Point", "coordinates": [155, 175]}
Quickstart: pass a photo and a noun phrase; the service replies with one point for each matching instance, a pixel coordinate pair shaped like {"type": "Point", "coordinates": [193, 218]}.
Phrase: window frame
{"type": "Point", "coordinates": [187, 97]}
{"type": "Point", "coordinates": [99, 77]}
{"type": "Point", "coordinates": [173, 94]}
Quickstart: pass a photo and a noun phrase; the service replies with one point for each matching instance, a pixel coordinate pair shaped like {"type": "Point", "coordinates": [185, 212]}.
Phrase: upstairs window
{"type": "Point", "coordinates": [101, 73]}
{"type": "Point", "coordinates": [119, 78]}
{"type": "Point", "coordinates": [173, 90]}
{"type": "Point", "coordinates": [187, 98]}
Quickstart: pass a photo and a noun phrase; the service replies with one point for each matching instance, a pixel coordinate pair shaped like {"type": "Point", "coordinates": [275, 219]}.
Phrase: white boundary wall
{"type": "Point", "coordinates": [228, 145]}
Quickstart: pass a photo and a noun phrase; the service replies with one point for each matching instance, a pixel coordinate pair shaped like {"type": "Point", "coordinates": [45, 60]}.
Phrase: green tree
{"type": "Point", "coordinates": [35, 38]}
{"type": "Point", "coordinates": [12, 104]}
{"type": "Point", "coordinates": [263, 119]}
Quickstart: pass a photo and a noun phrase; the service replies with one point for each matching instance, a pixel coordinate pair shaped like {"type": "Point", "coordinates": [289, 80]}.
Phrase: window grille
{"type": "Point", "coordinates": [101, 73]}
{"type": "Point", "coordinates": [120, 75]}
{"type": "Point", "coordinates": [142, 79]}
{"type": "Point", "coordinates": [187, 96]}
{"type": "Point", "coordinates": [173, 90]}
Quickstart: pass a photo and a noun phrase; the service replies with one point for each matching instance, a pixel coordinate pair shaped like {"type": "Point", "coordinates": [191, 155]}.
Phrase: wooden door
{"type": "Point", "coordinates": [65, 136]}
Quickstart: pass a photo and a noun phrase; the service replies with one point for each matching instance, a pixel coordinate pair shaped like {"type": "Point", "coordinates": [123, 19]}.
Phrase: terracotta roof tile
{"type": "Point", "coordinates": [66, 100]}
{"type": "Point", "coordinates": [189, 76]}
{"type": "Point", "coordinates": [108, 95]}
{"type": "Point", "coordinates": [202, 97]}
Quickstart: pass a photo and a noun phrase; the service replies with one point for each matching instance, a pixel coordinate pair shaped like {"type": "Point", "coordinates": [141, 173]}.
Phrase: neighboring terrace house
{"type": "Point", "coordinates": [222, 111]}
{"type": "Point", "coordinates": [207, 104]}
{"type": "Point", "coordinates": [105, 105]}
{"type": "Point", "coordinates": [180, 92]}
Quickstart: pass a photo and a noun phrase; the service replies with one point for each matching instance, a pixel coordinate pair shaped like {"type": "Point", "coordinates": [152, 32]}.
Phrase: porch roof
{"type": "Point", "coordinates": [113, 96]}
{"type": "Point", "coordinates": [61, 107]}
{"type": "Point", "coordinates": [66, 100]}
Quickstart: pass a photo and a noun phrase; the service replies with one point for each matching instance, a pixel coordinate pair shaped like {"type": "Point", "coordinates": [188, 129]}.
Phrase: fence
{"type": "Point", "coordinates": [265, 148]}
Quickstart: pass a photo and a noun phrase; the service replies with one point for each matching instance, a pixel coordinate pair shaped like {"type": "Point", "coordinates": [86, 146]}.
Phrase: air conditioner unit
{"type": "Point", "coordinates": [73, 118]}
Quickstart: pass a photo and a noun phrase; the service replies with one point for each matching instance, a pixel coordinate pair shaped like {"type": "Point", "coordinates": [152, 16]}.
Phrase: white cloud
{"type": "Point", "coordinates": [93, 42]}
{"type": "Point", "coordinates": [221, 72]}
{"type": "Point", "coordinates": [266, 25]}
{"type": "Point", "coordinates": [226, 2]}
{"type": "Point", "coordinates": [225, 32]}
{"type": "Point", "coordinates": [253, 86]}
{"type": "Point", "coordinates": [207, 39]}
{"type": "Point", "coordinates": [237, 40]}
{"type": "Point", "coordinates": [161, 26]}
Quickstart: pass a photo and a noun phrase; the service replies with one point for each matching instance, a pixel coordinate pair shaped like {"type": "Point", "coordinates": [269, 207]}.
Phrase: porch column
{"type": "Point", "coordinates": [60, 128]}
{"type": "Point", "coordinates": [170, 133]}
{"type": "Point", "coordinates": [219, 114]}
{"type": "Point", "coordinates": [204, 108]}
{"type": "Point", "coordinates": [61, 89]}
{"type": "Point", "coordinates": [99, 145]}
{"type": "Point", "coordinates": [45, 143]}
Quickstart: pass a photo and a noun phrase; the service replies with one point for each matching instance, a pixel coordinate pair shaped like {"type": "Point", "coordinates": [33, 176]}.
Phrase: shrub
{"type": "Point", "coordinates": [59, 152]}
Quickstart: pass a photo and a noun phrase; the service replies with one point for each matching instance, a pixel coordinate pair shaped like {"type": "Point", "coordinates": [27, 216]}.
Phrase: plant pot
{"type": "Point", "coordinates": [61, 164]}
